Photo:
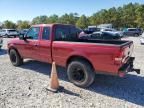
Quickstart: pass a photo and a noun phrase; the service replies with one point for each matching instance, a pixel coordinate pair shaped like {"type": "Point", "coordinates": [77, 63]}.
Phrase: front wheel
{"type": "Point", "coordinates": [80, 73]}
{"type": "Point", "coordinates": [7, 35]}
{"type": "Point", "coordinates": [15, 58]}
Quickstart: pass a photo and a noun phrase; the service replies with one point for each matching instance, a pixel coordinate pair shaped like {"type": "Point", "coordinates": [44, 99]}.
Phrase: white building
{"type": "Point", "coordinates": [105, 26]}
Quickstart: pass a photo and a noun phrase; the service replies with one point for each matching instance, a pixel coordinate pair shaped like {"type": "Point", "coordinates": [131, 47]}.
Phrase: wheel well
{"type": "Point", "coordinates": [14, 49]}
{"type": "Point", "coordinates": [74, 58]}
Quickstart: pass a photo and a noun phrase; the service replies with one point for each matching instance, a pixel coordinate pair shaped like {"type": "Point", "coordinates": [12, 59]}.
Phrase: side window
{"type": "Point", "coordinates": [132, 29]}
{"type": "Point", "coordinates": [61, 33]}
{"type": "Point", "coordinates": [108, 30]}
{"type": "Point", "coordinates": [46, 33]}
{"type": "Point", "coordinates": [33, 33]}
{"type": "Point", "coordinates": [109, 36]}
{"type": "Point", "coordinates": [129, 30]}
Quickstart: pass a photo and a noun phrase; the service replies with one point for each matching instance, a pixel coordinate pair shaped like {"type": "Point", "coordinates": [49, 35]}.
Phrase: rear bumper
{"type": "Point", "coordinates": [128, 67]}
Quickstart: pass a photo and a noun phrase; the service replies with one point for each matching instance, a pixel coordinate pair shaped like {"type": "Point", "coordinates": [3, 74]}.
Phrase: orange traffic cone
{"type": "Point", "coordinates": [54, 83]}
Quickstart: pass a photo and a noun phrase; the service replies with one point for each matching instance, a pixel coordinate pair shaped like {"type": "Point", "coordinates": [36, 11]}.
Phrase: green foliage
{"type": "Point", "coordinates": [140, 16]}
{"type": "Point", "coordinates": [130, 15]}
{"type": "Point", "coordinates": [9, 25]}
{"type": "Point", "coordinates": [68, 18]}
{"type": "Point", "coordinates": [83, 22]}
{"type": "Point", "coordinates": [53, 19]}
{"type": "Point", "coordinates": [23, 24]}
{"type": "Point", "coordinates": [40, 20]}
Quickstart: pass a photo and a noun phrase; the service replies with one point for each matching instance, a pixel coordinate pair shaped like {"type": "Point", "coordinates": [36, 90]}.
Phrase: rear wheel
{"type": "Point", "coordinates": [80, 73]}
{"type": "Point", "coordinates": [15, 58]}
{"type": "Point", "coordinates": [136, 35]}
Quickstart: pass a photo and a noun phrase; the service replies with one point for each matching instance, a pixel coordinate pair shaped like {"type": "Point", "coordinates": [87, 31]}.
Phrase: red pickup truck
{"type": "Point", "coordinates": [81, 57]}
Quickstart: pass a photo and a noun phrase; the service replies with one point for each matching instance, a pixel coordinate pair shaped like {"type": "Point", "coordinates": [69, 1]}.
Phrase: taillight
{"type": "Point", "coordinates": [119, 57]}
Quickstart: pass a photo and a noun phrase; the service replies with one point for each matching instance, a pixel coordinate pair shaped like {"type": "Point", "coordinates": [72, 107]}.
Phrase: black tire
{"type": "Point", "coordinates": [15, 58]}
{"type": "Point", "coordinates": [136, 35]}
{"type": "Point", "coordinates": [81, 73]}
{"type": "Point", "coordinates": [7, 36]}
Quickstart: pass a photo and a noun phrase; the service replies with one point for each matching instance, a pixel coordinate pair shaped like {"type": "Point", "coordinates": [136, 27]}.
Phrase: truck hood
{"type": "Point", "coordinates": [12, 41]}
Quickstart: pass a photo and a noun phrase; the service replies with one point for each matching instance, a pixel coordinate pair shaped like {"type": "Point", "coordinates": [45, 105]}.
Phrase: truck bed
{"type": "Point", "coordinates": [119, 43]}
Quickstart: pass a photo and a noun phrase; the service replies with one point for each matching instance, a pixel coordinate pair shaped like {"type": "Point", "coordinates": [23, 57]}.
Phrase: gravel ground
{"type": "Point", "coordinates": [25, 86]}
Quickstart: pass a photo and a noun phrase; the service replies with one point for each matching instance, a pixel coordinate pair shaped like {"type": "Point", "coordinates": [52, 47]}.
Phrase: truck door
{"type": "Point", "coordinates": [31, 45]}
{"type": "Point", "coordinates": [45, 45]}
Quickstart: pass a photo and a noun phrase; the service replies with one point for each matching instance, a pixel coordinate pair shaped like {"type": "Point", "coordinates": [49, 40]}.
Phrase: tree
{"type": "Point", "coordinates": [130, 15]}
{"type": "Point", "coordinates": [1, 25]}
{"type": "Point", "coordinates": [53, 19]}
{"type": "Point", "coordinates": [40, 20]}
{"type": "Point", "coordinates": [83, 22]}
{"type": "Point", "coordinates": [9, 24]}
{"type": "Point", "coordinates": [140, 16]}
{"type": "Point", "coordinates": [68, 18]}
{"type": "Point", "coordinates": [23, 24]}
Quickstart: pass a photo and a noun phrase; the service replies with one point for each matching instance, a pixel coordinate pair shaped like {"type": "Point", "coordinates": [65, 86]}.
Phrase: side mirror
{"type": "Point", "coordinates": [24, 37]}
{"type": "Point", "coordinates": [28, 37]}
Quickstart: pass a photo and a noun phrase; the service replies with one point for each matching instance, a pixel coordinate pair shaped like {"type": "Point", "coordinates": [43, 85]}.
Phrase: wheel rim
{"type": "Point", "coordinates": [78, 74]}
{"type": "Point", "coordinates": [136, 35]}
{"type": "Point", "coordinates": [13, 58]}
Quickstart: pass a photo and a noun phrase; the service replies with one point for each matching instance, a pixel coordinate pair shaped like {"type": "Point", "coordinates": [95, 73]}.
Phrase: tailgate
{"type": "Point", "coordinates": [127, 50]}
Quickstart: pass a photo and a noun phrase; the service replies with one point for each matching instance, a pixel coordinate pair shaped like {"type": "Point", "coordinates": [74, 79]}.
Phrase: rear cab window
{"type": "Point", "coordinates": [61, 33]}
{"type": "Point", "coordinates": [66, 33]}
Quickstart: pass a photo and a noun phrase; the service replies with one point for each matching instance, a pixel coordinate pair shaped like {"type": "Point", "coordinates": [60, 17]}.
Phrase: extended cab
{"type": "Point", "coordinates": [81, 57]}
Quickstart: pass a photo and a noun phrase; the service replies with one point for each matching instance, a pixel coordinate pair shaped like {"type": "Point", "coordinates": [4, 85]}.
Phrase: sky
{"type": "Point", "coordinates": [14, 10]}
